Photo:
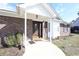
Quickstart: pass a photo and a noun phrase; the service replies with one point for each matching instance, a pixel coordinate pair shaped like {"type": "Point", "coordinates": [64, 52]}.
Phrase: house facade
{"type": "Point", "coordinates": [64, 29]}
{"type": "Point", "coordinates": [44, 22]}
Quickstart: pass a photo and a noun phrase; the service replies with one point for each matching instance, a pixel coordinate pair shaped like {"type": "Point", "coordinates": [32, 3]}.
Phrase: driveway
{"type": "Point", "coordinates": [42, 48]}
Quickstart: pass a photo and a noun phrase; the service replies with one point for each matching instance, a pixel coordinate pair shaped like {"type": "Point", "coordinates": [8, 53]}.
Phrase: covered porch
{"type": "Point", "coordinates": [37, 27]}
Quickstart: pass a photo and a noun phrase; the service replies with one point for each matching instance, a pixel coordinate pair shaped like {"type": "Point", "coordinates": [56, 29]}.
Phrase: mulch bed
{"type": "Point", "coordinates": [12, 51]}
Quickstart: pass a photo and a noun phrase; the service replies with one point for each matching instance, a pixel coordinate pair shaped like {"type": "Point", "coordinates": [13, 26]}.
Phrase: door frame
{"type": "Point", "coordinates": [39, 28]}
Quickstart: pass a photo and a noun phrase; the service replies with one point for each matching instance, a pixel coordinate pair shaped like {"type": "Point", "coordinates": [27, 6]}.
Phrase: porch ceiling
{"type": "Point", "coordinates": [37, 17]}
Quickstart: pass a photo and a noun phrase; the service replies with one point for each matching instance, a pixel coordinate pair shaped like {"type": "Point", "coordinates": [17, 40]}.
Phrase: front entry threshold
{"type": "Point", "coordinates": [37, 39]}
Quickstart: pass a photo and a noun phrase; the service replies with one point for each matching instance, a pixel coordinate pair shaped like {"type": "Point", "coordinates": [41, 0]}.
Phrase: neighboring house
{"type": "Point", "coordinates": [64, 29]}
{"type": "Point", "coordinates": [11, 22]}
{"type": "Point", "coordinates": [75, 25]}
{"type": "Point", "coordinates": [44, 22]}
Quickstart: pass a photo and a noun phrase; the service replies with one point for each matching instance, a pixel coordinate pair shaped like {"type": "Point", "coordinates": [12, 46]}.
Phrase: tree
{"type": "Point", "coordinates": [78, 13]}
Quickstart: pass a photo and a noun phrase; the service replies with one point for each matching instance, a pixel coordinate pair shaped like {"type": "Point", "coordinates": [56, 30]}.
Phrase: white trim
{"type": "Point", "coordinates": [52, 13]}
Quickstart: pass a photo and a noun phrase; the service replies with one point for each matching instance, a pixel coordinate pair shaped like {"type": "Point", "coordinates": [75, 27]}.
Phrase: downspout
{"type": "Point", "coordinates": [50, 39]}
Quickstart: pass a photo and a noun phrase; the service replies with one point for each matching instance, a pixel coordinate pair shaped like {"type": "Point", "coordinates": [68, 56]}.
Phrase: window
{"type": "Point", "coordinates": [8, 6]}
{"type": "Point", "coordinates": [65, 29]}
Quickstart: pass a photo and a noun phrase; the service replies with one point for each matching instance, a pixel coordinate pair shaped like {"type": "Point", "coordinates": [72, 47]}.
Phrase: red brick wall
{"type": "Point", "coordinates": [13, 25]}
{"type": "Point", "coordinates": [29, 29]}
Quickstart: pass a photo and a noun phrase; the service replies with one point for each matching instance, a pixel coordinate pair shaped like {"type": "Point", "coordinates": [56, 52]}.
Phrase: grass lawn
{"type": "Point", "coordinates": [69, 45]}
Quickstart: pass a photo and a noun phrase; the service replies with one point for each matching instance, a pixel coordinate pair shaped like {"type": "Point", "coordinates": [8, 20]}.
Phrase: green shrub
{"type": "Point", "coordinates": [11, 40]}
{"type": "Point", "coordinates": [19, 38]}
{"type": "Point", "coordinates": [14, 39]}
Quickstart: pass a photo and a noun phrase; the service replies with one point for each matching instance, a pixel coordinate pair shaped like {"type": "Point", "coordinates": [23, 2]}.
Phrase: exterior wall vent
{"type": "Point", "coordinates": [36, 16]}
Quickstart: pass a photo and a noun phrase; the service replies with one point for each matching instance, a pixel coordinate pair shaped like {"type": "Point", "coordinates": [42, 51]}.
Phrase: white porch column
{"type": "Point", "coordinates": [50, 30]}
{"type": "Point", "coordinates": [43, 30]}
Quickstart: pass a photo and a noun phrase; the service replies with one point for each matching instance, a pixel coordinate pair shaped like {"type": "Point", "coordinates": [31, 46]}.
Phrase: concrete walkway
{"type": "Point", "coordinates": [42, 48]}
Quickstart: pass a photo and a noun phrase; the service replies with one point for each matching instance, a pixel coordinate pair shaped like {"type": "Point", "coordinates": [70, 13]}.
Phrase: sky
{"type": "Point", "coordinates": [67, 11]}
{"type": "Point", "coordinates": [8, 6]}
